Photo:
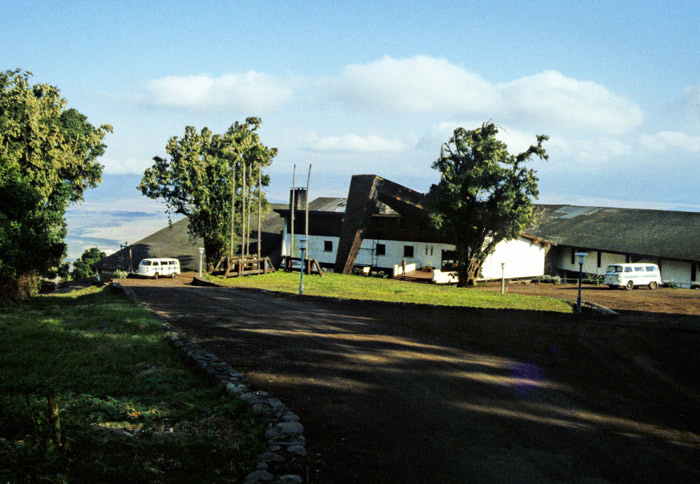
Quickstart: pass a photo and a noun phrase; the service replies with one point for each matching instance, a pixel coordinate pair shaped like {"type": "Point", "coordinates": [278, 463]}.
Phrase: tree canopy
{"type": "Point", "coordinates": [48, 158]}
{"type": "Point", "coordinates": [82, 267]}
{"type": "Point", "coordinates": [196, 180]}
{"type": "Point", "coordinates": [484, 195]}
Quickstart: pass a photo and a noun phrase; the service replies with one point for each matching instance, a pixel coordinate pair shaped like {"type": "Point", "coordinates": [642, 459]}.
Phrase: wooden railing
{"type": "Point", "coordinates": [243, 266]}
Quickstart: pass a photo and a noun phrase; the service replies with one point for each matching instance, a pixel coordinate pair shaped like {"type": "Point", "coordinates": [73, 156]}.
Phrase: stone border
{"type": "Point", "coordinates": [284, 459]}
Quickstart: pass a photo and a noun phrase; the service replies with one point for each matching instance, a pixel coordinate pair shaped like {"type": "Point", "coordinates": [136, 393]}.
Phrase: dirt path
{"type": "Point", "coordinates": [425, 395]}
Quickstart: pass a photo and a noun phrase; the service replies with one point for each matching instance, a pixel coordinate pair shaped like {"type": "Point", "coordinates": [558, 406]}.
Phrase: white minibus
{"type": "Point", "coordinates": [631, 275]}
{"type": "Point", "coordinates": [156, 268]}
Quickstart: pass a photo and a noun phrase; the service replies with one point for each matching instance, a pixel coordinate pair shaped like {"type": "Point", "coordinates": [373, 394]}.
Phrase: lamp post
{"type": "Point", "coordinates": [201, 253]}
{"type": "Point", "coordinates": [302, 246]}
{"type": "Point", "coordinates": [581, 259]}
{"type": "Point", "coordinates": [503, 277]}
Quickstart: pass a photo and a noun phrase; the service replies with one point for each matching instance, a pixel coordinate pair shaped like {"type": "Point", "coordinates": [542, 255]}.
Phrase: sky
{"type": "Point", "coordinates": [375, 88]}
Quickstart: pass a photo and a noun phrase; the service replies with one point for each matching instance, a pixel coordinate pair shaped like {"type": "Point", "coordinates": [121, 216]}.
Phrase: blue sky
{"type": "Point", "coordinates": [376, 87]}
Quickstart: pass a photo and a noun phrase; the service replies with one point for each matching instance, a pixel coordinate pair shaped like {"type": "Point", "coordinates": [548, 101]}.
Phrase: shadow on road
{"type": "Point", "coordinates": [413, 395]}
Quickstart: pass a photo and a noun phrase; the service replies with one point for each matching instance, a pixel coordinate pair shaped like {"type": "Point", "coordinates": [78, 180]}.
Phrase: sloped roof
{"type": "Point", "coordinates": [175, 241]}
{"type": "Point", "coordinates": [327, 204]}
{"type": "Point", "coordinates": [658, 233]}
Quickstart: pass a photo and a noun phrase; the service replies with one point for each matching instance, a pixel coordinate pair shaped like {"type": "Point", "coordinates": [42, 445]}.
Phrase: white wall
{"type": "Point", "coordinates": [671, 270]}
{"type": "Point", "coordinates": [590, 266]}
{"type": "Point", "coordinates": [523, 257]}
{"type": "Point", "coordinates": [674, 271]}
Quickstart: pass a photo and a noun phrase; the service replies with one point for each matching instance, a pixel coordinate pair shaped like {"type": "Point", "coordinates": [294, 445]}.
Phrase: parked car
{"type": "Point", "coordinates": [631, 275]}
{"type": "Point", "coordinates": [156, 268]}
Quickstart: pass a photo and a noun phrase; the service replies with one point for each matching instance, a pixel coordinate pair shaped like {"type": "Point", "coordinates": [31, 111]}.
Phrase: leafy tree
{"type": "Point", "coordinates": [484, 196]}
{"type": "Point", "coordinates": [82, 268]}
{"type": "Point", "coordinates": [196, 180]}
{"type": "Point", "coordinates": [48, 158]}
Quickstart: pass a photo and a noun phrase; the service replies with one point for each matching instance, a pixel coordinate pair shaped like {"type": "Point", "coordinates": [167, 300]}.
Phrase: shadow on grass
{"type": "Point", "coordinates": [130, 411]}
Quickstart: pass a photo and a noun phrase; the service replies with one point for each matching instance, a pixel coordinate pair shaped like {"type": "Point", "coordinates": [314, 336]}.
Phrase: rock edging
{"type": "Point", "coordinates": [284, 459]}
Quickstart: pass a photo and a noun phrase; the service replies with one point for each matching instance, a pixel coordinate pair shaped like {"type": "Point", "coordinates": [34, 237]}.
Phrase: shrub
{"type": "Point", "coordinates": [22, 288]}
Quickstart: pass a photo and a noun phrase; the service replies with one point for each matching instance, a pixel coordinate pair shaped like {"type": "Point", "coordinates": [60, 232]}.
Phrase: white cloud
{"type": "Point", "coordinates": [588, 151]}
{"type": "Point", "coordinates": [251, 91]}
{"type": "Point", "coordinates": [345, 143]}
{"type": "Point", "coordinates": [552, 99]}
{"type": "Point", "coordinates": [415, 85]}
{"type": "Point", "coordinates": [352, 143]}
{"type": "Point", "coordinates": [424, 84]}
{"type": "Point", "coordinates": [671, 140]}
{"type": "Point", "coordinates": [594, 150]}
{"type": "Point", "coordinates": [437, 135]}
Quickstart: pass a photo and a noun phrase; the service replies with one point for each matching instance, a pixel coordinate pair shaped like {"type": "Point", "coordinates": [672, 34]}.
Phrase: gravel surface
{"type": "Point", "coordinates": [404, 394]}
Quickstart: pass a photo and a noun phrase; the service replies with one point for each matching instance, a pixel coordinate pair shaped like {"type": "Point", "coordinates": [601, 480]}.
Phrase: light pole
{"type": "Point", "coordinates": [503, 277]}
{"type": "Point", "coordinates": [581, 259]}
{"type": "Point", "coordinates": [201, 253]}
{"type": "Point", "coordinates": [302, 246]}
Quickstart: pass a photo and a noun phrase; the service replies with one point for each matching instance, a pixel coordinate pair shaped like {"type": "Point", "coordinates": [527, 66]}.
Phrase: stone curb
{"type": "Point", "coordinates": [595, 310]}
{"type": "Point", "coordinates": [284, 459]}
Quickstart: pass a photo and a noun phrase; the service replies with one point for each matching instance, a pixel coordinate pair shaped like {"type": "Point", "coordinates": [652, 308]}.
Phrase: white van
{"type": "Point", "coordinates": [630, 275]}
{"type": "Point", "coordinates": [156, 268]}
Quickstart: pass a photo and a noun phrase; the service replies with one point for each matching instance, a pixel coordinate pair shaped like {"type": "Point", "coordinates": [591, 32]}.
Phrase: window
{"type": "Point", "coordinates": [628, 269]}
{"type": "Point", "coordinates": [639, 269]}
{"type": "Point", "coordinates": [381, 249]}
{"type": "Point", "coordinates": [408, 251]}
{"type": "Point", "coordinates": [328, 246]}
{"type": "Point", "coordinates": [651, 268]}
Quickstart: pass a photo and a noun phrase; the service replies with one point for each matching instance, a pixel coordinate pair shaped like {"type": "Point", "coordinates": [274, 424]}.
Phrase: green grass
{"type": "Point", "coordinates": [376, 289]}
{"type": "Point", "coordinates": [130, 411]}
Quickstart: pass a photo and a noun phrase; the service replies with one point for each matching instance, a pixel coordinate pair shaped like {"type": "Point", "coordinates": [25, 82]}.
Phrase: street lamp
{"type": "Point", "coordinates": [581, 256]}
{"type": "Point", "coordinates": [503, 277]}
{"type": "Point", "coordinates": [201, 253]}
{"type": "Point", "coordinates": [302, 246]}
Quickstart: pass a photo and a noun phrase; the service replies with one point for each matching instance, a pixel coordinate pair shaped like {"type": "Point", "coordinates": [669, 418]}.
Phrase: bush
{"type": "Point", "coordinates": [119, 274]}
{"type": "Point", "coordinates": [550, 279]}
{"type": "Point", "coordinates": [14, 290]}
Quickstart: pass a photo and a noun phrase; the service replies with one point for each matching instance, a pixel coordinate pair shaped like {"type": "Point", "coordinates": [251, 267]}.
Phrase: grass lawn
{"type": "Point", "coordinates": [376, 289]}
{"type": "Point", "coordinates": [129, 409]}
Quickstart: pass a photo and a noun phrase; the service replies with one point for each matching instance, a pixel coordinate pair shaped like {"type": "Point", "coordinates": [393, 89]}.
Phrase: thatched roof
{"type": "Point", "coordinates": [657, 233]}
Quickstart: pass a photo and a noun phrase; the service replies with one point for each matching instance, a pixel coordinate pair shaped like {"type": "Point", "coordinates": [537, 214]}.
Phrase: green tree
{"type": "Point", "coordinates": [83, 267]}
{"type": "Point", "coordinates": [196, 180]}
{"type": "Point", "coordinates": [484, 196]}
{"type": "Point", "coordinates": [48, 158]}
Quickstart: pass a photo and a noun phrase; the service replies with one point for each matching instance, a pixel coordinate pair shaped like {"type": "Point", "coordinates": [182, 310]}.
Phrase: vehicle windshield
{"type": "Point", "coordinates": [614, 269]}
{"type": "Point", "coordinates": [145, 262]}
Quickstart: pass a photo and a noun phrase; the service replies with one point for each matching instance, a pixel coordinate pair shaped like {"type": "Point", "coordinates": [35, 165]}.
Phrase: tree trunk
{"type": "Point", "coordinates": [462, 267]}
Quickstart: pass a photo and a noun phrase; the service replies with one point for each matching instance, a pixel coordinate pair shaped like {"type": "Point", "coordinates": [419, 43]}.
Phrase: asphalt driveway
{"type": "Point", "coordinates": [400, 394]}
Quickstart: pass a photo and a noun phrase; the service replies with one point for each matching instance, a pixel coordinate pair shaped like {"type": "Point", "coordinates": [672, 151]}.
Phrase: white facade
{"type": "Point", "coordinates": [672, 271]}
{"type": "Point", "coordinates": [522, 257]}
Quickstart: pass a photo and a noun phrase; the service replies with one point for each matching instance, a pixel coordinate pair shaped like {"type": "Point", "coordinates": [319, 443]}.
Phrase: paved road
{"type": "Point", "coordinates": [393, 394]}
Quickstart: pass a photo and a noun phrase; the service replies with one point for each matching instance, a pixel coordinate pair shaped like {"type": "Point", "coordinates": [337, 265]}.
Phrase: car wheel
{"type": "Point", "coordinates": [653, 285]}
{"type": "Point", "coordinates": [156, 275]}
{"type": "Point", "coordinates": [173, 275]}
{"type": "Point", "coordinates": [629, 286]}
